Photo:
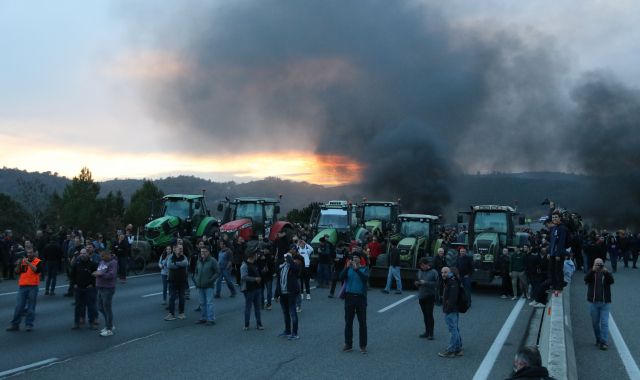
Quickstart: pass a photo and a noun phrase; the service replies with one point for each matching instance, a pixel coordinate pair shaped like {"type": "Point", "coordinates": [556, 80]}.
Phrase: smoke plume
{"type": "Point", "coordinates": [412, 96]}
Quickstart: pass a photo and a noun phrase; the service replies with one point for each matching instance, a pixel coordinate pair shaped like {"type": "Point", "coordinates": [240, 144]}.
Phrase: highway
{"type": "Point", "coordinates": [146, 345]}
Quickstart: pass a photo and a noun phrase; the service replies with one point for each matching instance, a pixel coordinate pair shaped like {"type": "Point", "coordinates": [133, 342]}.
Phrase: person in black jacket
{"type": "Point", "coordinates": [52, 254]}
{"type": "Point", "coordinates": [599, 282]}
{"type": "Point", "coordinates": [85, 292]}
{"type": "Point", "coordinates": [178, 264]}
{"type": "Point", "coordinates": [450, 308]}
{"type": "Point", "coordinates": [528, 365]}
{"type": "Point", "coordinates": [288, 288]}
{"type": "Point", "coordinates": [503, 263]}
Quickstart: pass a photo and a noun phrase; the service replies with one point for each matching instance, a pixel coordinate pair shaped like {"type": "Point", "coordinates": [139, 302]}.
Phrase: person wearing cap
{"type": "Point", "coordinates": [29, 269]}
{"type": "Point", "coordinates": [427, 284]}
{"type": "Point", "coordinates": [287, 289]}
{"type": "Point", "coordinates": [356, 276]}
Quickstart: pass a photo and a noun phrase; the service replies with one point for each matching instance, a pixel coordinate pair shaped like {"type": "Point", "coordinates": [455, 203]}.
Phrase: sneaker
{"type": "Point", "coordinates": [447, 354]}
{"type": "Point", "coordinates": [330, 296]}
{"type": "Point", "coordinates": [504, 296]}
{"type": "Point", "coordinates": [363, 350]}
{"type": "Point", "coordinates": [13, 328]}
{"type": "Point", "coordinates": [430, 337]}
{"type": "Point", "coordinates": [398, 291]}
{"type": "Point", "coordinates": [284, 334]}
{"type": "Point", "coordinates": [268, 307]}
{"type": "Point", "coordinates": [260, 327]}
{"type": "Point", "coordinates": [514, 298]}
{"type": "Point", "coordinates": [28, 328]}
{"type": "Point", "coordinates": [246, 328]}
{"type": "Point", "coordinates": [604, 346]}
{"type": "Point", "coordinates": [459, 353]}
{"type": "Point", "coordinates": [169, 317]}
{"type": "Point", "coordinates": [539, 305]}
{"type": "Point", "coordinates": [532, 303]}
{"type": "Point", "coordinates": [106, 333]}
{"type": "Point", "coordinates": [298, 310]}
{"type": "Point", "coordinates": [308, 297]}
{"type": "Point", "coordinates": [210, 323]}
{"type": "Point", "coordinates": [385, 291]}
{"type": "Point", "coordinates": [425, 335]}
{"type": "Point", "coordinates": [347, 348]}
{"type": "Point", "coordinates": [200, 322]}
{"type": "Point", "coordinates": [182, 316]}
{"type": "Point", "coordinates": [294, 337]}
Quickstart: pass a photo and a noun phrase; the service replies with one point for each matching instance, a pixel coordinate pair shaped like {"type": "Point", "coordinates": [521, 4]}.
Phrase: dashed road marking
{"type": "Point", "coordinates": [27, 367]}
{"type": "Point", "coordinates": [625, 355]}
{"type": "Point", "coordinates": [396, 303]}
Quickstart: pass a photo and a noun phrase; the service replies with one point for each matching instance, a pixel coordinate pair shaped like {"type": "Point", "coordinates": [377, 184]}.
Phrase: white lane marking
{"type": "Point", "coordinates": [135, 340]}
{"type": "Point", "coordinates": [396, 303]}
{"type": "Point", "coordinates": [144, 275]}
{"type": "Point", "coordinates": [27, 367]}
{"type": "Point", "coordinates": [627, 359]}
{"type": "Point", "coordinates": [489, 360]}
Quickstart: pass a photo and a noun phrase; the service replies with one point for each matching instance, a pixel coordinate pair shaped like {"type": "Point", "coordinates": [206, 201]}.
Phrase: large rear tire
{"type": "Point", "coordinates": [138, 265]}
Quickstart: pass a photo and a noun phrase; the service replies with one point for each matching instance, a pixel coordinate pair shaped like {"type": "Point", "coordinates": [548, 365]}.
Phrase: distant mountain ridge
{"type": "Point", "coordinates": [526, 190]}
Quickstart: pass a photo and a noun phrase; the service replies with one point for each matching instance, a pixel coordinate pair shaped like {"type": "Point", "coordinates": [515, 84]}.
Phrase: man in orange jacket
{"type": "Point", "coordinates": [29, 270]}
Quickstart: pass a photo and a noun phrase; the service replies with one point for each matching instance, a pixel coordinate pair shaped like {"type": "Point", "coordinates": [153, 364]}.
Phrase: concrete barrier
{"type": "Point", "coordinates": [555, 339]}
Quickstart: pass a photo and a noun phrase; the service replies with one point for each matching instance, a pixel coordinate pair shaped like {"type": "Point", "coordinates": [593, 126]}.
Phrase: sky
{"type": "Point", "coordinates": [89, 83]}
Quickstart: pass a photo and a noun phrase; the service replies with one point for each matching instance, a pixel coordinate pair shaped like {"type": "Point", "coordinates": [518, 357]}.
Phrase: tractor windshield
{"type": "Point", "coordinates": [176, 207]}
{"type": "Point", "coordinates": [490, 222]}
{"type": "Point", "coordinates": [252, 211]}
{"type": "Point", "coordinates": [373, 212]}
{"type": "Point", "coordinates": [333, 219]}
{"type": "Point", "coordinates": [414, 228]}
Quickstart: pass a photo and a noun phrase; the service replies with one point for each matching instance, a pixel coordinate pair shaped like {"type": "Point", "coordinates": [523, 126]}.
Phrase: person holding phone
{"type": "Point", "coordinates": [356, 276]}
{"type": "Point", "coordinates": [599, 281]}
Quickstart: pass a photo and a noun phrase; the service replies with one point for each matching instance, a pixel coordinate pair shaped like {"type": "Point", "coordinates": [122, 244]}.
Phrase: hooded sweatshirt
{"type": "Point", "coordinates": [109, 270]}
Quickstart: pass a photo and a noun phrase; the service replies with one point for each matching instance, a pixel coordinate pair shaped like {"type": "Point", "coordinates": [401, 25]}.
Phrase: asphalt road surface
{"type": "Point", "coordinates": [146, 345]}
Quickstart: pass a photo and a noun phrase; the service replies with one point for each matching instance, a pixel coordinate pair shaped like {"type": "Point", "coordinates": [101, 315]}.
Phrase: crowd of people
{"type": "Point", "coordinates": [265, 271]}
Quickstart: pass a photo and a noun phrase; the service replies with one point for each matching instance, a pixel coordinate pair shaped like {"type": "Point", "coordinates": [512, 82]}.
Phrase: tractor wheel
{"type": "Point", "coordinates": [137, 265]}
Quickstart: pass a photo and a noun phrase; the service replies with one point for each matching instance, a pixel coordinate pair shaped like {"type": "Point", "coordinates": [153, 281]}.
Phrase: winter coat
{"type": "Point", "coordinates": [207, 272]}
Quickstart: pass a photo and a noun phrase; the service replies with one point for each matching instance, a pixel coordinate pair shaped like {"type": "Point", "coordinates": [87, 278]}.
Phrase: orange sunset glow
{"type": "Point", "coordinates": [326, 170]}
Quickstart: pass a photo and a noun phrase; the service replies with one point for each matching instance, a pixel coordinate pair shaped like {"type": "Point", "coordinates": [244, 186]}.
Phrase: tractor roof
{"type": "Point", "coordinates": [379, 203]}
{"type": "Point", "coordinates": [183, 197]}
{"type": "Point", "coordinates": [493, 208]}
{"type": "Point", "coordinates": [255, 200]}
{"type": "Point", "coordinates": [424, 217]}
{"type": "Point", "coordinates": [335, 204]}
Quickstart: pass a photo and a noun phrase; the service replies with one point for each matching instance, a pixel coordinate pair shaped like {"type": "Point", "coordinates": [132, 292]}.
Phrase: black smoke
{"type": "Point", "coordinates": [413, 96]}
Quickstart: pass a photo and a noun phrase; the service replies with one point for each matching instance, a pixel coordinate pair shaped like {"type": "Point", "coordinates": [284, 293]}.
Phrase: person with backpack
{"type": "Point", "coordinates": [450, 302]}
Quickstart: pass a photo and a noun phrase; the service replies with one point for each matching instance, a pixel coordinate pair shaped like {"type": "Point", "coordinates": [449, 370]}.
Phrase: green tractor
{"type": "Point", "coordinates": [186, 216]}
{"type": "Point", "coordinates": [491, 228]}
{"type": "Point", "coordinates": [335, 219]}
{"type": "Point", "coordinates": [417, 237]}
{"type": "Point", "coordinates": [379, 218]}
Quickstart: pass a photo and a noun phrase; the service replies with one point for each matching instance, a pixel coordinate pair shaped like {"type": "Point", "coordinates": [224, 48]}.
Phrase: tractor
{"type": "Point", "coordinates": [335, 219]}
{"type": "Point", "coordinates": [249, 217]}
{"type": "Point", "coordinates": [183, 215]}
{"type": "Point", "coordinates": [417, 237]}
{"type": "Point", "coordinates": [490, 229]}
{"type": "Point", "coordinates": [379, 218]}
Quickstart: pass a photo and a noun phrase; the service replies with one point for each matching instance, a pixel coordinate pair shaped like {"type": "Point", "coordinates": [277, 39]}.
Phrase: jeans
{"type": "Point", "coordinates": [176, 289]}
{"type": "Point", "coordinates": [455, 342]}
{"type": "Point", "coordinates": [224, 275]}
{"type": "Point", "coordinates": [394, 272]}
{"type": "Point", "coordinates": [267, 284]}
{"type": "Point", "coordinates": [105, 297]}
{"type": "Point", "coordinates": [27, 296]}
{"type": "Point", "coordinates": [86, 304]}
{"type": "Point", "coordinates": [600, 320]}
{"type": "Point", "coordinates": [613, 256]}
{"type": "Point", "coordinates": [206, 304]}
{"type": "Point", "coordinates": [288, 304]}
{"type": "Point", "coordinates": [165, 286]}
{"type": "Point", "coordinates": [355, 304]}
{"type": "Point", "coordinates": [555, 273]}
{"type": "Point", "coordinates": [507, 290]}
{"type": "Point", "coordinates": [324, 274]}
{"type": "Point", "coordinates": [426, 305]}
{"type": "Point", "coordinates": [52, 275]}
{"type": "Point", "coordinates": [519, 277]}
{"type": "Point", "coordinates": [252, 298]}
{"type": "Point", "coordinates": [585, 262]}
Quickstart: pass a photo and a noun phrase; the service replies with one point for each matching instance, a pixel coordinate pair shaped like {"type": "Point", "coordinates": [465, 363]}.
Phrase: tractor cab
{"type": "Point", "coordinates": [418, 234]}
{"type": "Point", "coordinates": [334, 219]}
{"type": "Point", "coordinates": [379, 218]}
{"type": "Point", "coordinates": [251, 215]}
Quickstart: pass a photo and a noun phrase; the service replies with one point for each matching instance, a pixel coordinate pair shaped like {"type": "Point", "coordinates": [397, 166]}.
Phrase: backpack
{"type": "Point", "coordinates": [463, 300]}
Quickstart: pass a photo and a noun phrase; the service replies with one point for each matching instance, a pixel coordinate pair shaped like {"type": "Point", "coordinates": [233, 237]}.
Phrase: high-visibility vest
{"type": "Point", "coordinates": [30, 278]}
